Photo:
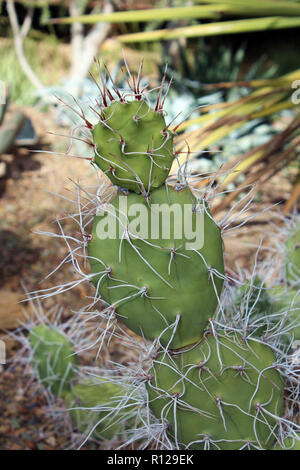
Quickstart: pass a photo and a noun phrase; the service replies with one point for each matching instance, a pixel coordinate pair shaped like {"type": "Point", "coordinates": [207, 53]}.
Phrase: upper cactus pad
{"type": "Point", "coordinates": [133, 146]}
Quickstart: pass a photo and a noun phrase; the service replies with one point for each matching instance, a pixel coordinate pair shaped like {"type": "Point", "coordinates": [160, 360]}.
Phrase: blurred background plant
{"type": "Point", "coordinates": [234, 103]}
{"type": "Point", "coordinates": [237, 111]}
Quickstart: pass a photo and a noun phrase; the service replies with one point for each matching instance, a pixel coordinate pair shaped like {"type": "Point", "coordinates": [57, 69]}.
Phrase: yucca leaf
{"type": "Point", "coordinates": [214, 29]}
{"type": "Point", "coordinates": [153, 14]}
{"type": "Point", "coordinates": [215, 9]}
{"type": "Point", "coordinates": [243, 166]}
{"type": "Point", "coordinates": [274, 160]}
{"type": "Point", "coordinates": [257, 7]}
{"type": "Point", "coordinates": [264, 94]}
{"type": "Point", "coordinates": [280, 82]}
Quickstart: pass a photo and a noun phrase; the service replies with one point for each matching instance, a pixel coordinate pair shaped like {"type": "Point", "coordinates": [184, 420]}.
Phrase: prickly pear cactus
{"type": "Point", "coordinates": [286, 300]}
{"type": "Point", "coordinates": [255, 294]}
{"type": "Point", "coordinates": [292, 261]}
{"type": "Point", "coordinates": [210, 378]}
{"type": "Point", "coordinates": [98, 408]}
{"type": "Point", "coordinates": [133, 145]}
{"type": "Point", "coordinates": [155, 276]}
{"type": "Point", "coordinates": [53, 358]}
{"type": "Point", "coordinates": [157, 255]}
{"type": "Point", "coordinates": [289, 443]}
{"type": "Point", "coordinates": [223, 393]}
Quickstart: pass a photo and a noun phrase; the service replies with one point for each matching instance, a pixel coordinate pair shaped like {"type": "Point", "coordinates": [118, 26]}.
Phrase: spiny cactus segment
{"type": "Point", "coordinates": [133, 146]}
{"type": "Point", "coordinates": [223, 393]}
{"type": "Point", "coordinates": [156, 278]}
{"type": "Point", "coordinates": [292, 261]}
{"type": "Point", "coordinates": [53, 358]}
{"type": "Point", "coordinates": [100, 408]}
{"type": "Point", "coordinates": [289, 443]}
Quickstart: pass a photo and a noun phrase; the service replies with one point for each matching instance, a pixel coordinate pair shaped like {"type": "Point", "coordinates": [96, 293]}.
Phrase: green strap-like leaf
{"type": "Point", "coordinates": [153, 14]}
{"type": "Point", "coordinates": [214, 29]}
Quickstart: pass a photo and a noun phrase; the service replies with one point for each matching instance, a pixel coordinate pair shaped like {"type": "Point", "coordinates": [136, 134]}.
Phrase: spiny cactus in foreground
{"type": "Point", "coordinates": [98, 406]}
{"type": "Point", "coordinates": [289, 443]}
{"type": "Point", "coordinates": [53, 358]}
{"type": "Point", "coordinates": [101, 408]}
{"type": "Point", "coordinates": [209, 379]}
{"type": "Point", "coordinates": [292, 257]}
{"type": "Point", "coordinates": [223, 392]}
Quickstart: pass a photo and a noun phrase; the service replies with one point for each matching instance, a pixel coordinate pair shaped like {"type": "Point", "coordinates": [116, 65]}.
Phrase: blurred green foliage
{"type": "Point", "coordinates": [45, 59]}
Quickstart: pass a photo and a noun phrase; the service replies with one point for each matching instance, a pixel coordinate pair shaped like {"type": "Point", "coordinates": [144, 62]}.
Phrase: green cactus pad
{"type": "Point", "coordinates": [255, 295]}
{"type": "Point", "coordinates": [287, 301]}
{"type": "Point", "coordinates": [132, 146]}
{"type": "Point", "coordinates": [91, 403]}
{"type": "Point", "coordinates": [158, 279]}
{"type": "Point", "coordinates": [211, 394]}
{"type": "Point", "coordinates": [292, 262]}
{"type": "Point", "coordinates": [53, 358]}
{"type": "Point", "coordinates": [289, 443]}
{"type": "Point", "coordinates": [253, 300]}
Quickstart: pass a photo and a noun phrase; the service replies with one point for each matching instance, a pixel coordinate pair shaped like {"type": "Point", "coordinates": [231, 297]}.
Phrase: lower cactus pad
{"type": "Point", "coordinates": [223, 393]}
